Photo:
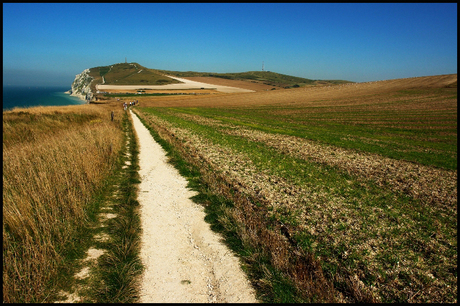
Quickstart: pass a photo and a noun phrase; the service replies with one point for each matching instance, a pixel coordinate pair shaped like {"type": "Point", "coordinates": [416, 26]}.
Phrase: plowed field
{"type": "Point", "coordinates": [349, 191]}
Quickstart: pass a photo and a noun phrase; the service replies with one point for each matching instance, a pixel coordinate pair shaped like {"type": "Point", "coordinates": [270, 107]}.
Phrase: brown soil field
{"type": "Point", "coordinates": [311, 96]}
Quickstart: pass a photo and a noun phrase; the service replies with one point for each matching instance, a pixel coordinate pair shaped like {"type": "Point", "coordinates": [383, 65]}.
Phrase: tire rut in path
{"type": "Point", "coordinates": [185, 261]}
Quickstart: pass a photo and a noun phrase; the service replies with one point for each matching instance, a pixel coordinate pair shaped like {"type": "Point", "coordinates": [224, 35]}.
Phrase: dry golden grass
{"type": "Point", "coordinates": [54, 159]}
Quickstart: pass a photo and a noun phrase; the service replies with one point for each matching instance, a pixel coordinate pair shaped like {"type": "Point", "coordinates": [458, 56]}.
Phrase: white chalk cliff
{"type": "Point", "coordinates": [81, 86]}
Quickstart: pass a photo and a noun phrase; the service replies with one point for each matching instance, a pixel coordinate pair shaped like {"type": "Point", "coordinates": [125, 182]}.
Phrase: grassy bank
{"type": "Point", "coordinates": [354, 203]}
{"type": "Point", "coordinates": [55, 159]}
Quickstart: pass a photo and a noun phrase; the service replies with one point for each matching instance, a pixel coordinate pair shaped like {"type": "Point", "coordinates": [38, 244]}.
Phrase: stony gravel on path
{"type": "Point", "coordinates": [185, 261]}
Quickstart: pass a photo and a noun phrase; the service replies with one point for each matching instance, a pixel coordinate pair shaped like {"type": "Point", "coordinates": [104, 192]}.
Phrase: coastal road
{"type": "Point", "coordinates": [186, 84]}
{"type": "Point", "coordinates": [185, 261]}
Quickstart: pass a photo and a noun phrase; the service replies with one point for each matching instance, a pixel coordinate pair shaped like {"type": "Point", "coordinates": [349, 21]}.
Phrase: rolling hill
{"type": "Point", "coordinates": [135, 74]}
{"type": "Point", "coordinates": [127, 74]}
{"type": "Point", "coordinates": [263, 77]}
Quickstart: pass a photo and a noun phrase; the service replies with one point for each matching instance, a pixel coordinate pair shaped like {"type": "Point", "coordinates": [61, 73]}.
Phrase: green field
{"type": "Point", "coordinates": [365, 192]}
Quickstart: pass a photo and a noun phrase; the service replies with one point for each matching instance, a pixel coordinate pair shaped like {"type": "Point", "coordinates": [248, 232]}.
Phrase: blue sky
{"type": "Point", "coordinates": [48, 44]}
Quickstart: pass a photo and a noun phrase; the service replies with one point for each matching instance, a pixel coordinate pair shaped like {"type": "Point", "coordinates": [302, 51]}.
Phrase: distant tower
{"type": "Point", "coordinates": [262, 66]}
{"type": "Point", "coordinates": [125, 60]}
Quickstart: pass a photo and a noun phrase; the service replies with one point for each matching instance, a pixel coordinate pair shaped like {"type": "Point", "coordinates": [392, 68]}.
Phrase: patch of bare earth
{"type": "Point", "coordinates": [85, 272]}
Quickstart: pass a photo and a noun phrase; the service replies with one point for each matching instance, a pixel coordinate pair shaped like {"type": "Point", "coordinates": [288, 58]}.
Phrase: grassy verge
{"type": "Point", "coordinates": [112, 230]}
{"type": "Point", "coordinates": [115, 279]}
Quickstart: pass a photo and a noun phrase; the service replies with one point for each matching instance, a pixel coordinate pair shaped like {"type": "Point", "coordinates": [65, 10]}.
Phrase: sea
{"type": "Point", "coordinates": [24, 96]}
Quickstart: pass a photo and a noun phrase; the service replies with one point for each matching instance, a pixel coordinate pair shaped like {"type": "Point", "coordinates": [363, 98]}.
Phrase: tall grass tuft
{"type": "Point", "coordinates": [54, 160]}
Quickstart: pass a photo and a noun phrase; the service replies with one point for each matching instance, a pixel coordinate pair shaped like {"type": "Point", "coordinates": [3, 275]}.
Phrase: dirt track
{"type": "Point", "coordinates": [184, 260]}
{"type": "Point", "coordinates": [187, 84]}
{"type": "Point", "coordinates": [251, 85]}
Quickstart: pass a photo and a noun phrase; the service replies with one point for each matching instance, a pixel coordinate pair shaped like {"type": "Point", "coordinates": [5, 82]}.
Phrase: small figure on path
{"type": "Point", "coordinates": [112, 115]}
